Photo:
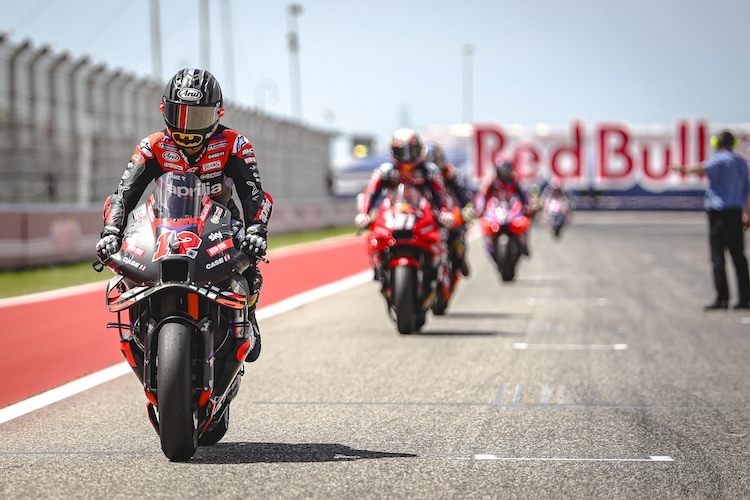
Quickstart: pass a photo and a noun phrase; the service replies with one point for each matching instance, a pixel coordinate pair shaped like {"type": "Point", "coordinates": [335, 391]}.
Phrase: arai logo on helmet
{"type": "Point", "coordinates": [190, 95]}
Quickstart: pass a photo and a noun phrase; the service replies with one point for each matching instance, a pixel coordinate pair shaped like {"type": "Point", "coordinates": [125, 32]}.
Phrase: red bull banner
{"type": "Point", "coordinates": [625, 166]}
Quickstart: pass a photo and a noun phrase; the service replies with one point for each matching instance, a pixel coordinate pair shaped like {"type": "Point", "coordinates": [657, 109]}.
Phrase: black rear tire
{"type": "Point", "coordinates": [405, 298]}
{"type": "Point", "coordinates": [177, 423]}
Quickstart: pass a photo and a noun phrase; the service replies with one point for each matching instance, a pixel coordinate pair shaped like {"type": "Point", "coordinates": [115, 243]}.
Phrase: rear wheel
{"type": "Point", "coordinates": [404, 297]}
{"type": "Point", "coordinates": [177, 423]}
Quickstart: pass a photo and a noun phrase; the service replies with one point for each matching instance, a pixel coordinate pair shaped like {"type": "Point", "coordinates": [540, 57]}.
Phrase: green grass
{"type": "Point", "coordinates": [22, 282]}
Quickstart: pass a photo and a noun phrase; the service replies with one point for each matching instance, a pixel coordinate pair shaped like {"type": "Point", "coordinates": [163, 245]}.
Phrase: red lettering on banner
{"type": "Point", "coordinates": [574, 152]}
{"type": "Point", "coordinates": [526, 161]}
{"type": "Point", "coordinates": [613, 140]}
{"type": "Point", "coordinates": [482, 134]}
{"type": "Point", "coordinates": [615, 155]}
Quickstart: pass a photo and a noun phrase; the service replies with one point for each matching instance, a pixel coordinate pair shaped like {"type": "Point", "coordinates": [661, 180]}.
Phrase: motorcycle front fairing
{"type": "Point", "coordinates": [178, 238]}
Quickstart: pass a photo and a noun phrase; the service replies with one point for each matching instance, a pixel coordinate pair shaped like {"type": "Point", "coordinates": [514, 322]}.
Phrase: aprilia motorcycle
{"type": "Point", "coordinates": [505, 226]}
{"type": "Point", "coordinates": [407, 250]}
{"type": "Point", "coordinates": [181, 306]}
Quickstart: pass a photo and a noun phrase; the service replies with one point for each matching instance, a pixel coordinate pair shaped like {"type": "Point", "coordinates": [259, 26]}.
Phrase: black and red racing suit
{"type": "Point", "coordinates": [227, 160]}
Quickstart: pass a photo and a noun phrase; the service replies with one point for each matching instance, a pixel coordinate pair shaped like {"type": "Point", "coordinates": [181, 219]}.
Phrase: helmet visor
{"type": "Point", "coordinates": [186, 118]}
{"type": "Point", "coordinates": [407, 152]}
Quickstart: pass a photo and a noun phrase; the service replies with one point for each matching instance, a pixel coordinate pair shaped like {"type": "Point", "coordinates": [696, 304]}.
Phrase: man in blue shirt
{"type": "Point", "coordinates": [727, 202]}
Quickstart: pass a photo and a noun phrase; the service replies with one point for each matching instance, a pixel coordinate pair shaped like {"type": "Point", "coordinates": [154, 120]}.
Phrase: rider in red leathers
{"type": "Point", "coordinates": [455, 187]}
{"type": "Point", "coordinates": [502, 183]}
{"type": "Point", "coordinates": [409, 165]}
{"type": "Point", "coordinates": [193, 141]}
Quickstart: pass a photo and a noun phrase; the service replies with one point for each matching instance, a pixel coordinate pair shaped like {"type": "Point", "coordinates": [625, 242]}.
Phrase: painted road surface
{"type": "Point", "coordinates": [54, 338]}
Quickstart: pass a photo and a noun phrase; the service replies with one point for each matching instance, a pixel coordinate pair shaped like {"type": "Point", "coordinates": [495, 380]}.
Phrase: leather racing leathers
{"type": "Point", "coordinates": [227, 160]}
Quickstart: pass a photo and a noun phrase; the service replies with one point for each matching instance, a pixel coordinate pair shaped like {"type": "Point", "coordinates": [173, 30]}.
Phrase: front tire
{"type": "Point", "coordinates": [177, 423]}
{"type": "Point", "coordinates": [405, 297]}
{"type": "Point", "coordinates": [506, 256]}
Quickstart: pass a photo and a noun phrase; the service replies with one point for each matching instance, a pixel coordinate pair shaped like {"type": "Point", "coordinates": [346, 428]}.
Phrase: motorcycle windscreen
{"type": "Point", "coordinates": [177, 196]}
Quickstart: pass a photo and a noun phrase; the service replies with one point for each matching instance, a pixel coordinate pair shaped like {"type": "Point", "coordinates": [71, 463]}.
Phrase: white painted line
{"type": "Point", "coordinates": [77, 386]}
{"type": "Point", "coordinates": [303, 298]}
{"type": "Point", "coordinates": [573, 459]}
{"type": "Point", "coordinates": [64, 391]}
{"type": "Point", "coordinates": [570, 347]}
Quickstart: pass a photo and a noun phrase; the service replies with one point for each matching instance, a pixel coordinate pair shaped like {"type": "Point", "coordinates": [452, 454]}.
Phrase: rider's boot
{"type": "Point", "coordinates": [254, 351]}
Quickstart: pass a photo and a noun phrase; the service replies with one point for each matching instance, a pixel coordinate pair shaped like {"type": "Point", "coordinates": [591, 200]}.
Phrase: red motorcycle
{"type": "Point", "coordinates": [181, 306]}
{"type": "Point", "coordinates": [407, 250]}
{"type": "Point", "coordinates": [505, 226]}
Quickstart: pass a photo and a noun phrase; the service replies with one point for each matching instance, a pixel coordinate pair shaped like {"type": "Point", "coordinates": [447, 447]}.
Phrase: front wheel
{"type": "Point", "coordinates": [177, 422]}
{"type": "Point", "coordinates": [405, 297]}
{"type": "Point", "coordinates": [506, 256]}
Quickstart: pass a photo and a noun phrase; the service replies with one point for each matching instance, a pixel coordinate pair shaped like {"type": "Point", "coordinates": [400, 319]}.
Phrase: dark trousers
{"type": "Point", "coordinates": [725, 233]}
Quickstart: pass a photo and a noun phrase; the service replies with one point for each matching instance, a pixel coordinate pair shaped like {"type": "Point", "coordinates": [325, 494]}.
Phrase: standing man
{"type": "Point", "coordinates": [727, 202]}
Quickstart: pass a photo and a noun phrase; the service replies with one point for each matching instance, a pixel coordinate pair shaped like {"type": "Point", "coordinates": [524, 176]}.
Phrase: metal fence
{"type": "Point", "coordinates": [68, 127]}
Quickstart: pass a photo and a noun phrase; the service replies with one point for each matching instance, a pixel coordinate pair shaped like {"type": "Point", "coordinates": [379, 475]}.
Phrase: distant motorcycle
{"type": "Point", "coordinates": [555, 215]}
{"type": "Point", "coordinates": [504, 226]}
{"type": "Point", "coordinates": [187, 329]}
{"type": "Point", "coordinates": [407, 250]}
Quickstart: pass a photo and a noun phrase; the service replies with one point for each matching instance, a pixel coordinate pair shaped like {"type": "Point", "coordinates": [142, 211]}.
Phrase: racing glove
{"type": "Point", "coordinates": [445, 219]}
{"type": "Point", "coordinates": [255, 243]}
{"type": "Point", "coordinates": [362, 221]}
{"type": "Point", "coordinates": [108, 246]}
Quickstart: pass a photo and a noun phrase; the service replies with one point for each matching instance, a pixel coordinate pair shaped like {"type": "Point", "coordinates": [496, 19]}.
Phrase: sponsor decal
{"type": "Point", "coordinates": [216, 217]}
{"type": "Point", "coordinates": [184, 191]}
{"type": "Point", "coordinates": [210, 176]}
{"type": "Point", "coordinates": [170, 156]}
{"type": "Point", "coordinates": [247, 152]}
{"type": "Point", "coordinates": [215, 235]}
{"type": "Point", "coordinates": [253, 187]}
{"type": "Point", "coordinates": [126, 175]}
{"type": "Point", "coordinates": [251, 161]}
{"type": "Point", "coordinates": [134, 263]}
{"type": "Point", "coordinates": [217, 145]}
{"type": "Point", "coordinates": [130, 248]}
{"type": "Point", "coordinates": [137, 157]}
{"type": "Point", "coordinates": [215, 155]}
{"type": "Point", "coordinates": [265, 211]}
{"type": "Point", "coordinates": [174, 166]}
{"type": "Point", "coordinates": [204, 212]}
{"type": "Point", "coordinates": [193, 95]}
{"type": "Point", "coordinates": [139, 215]}
{"type": "Point", "coordinates": [145, 148]}
{"type": "Point", "coordinates": [217, 262]}
{"type": "Point", "coordinates": [222, 246]}
{"type": "Point", "coordinates": [213, 165]}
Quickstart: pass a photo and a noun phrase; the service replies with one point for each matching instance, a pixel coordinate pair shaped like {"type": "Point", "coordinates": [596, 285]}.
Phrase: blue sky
{"type": "Point", "coordinates": [373, 66]}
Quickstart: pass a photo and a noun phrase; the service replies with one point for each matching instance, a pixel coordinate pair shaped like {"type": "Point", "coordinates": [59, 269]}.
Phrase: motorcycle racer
{"type": "Point", "coordinates": [502, 183]}
{"type": "Point", "coordinates": [409, 164]}
{"type": "Point", "coordinates": [455, 187]}
{"type": "Point", "coordinates": [194, 141]}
